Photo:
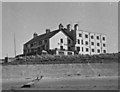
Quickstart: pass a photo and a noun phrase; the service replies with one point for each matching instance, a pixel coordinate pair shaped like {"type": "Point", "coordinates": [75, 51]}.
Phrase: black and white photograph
{"type": "Point", "coordinates": [70, 46]}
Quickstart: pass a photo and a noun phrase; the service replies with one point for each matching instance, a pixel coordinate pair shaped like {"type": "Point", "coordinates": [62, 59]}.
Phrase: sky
{"type": "Point", "coordinates": [25, 18]}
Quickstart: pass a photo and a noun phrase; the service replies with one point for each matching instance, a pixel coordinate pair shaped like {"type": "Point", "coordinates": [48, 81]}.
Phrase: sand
{"type": "Point", "coordinates": [61, 77]}
{"type": "Point", "coordinates": [65, 83]}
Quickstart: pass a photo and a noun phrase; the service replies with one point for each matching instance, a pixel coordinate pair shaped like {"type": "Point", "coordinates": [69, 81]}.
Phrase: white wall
{"type": "Point", "coordinates": [55, 41]}
{"type": "Point", "coordinates": [84, 40]}
{"type": "Point", "coordinates": [89, 40]}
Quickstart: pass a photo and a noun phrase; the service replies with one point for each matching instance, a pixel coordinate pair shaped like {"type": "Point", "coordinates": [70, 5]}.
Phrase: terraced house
{"type": "Point", "coordinates": [67, 41]}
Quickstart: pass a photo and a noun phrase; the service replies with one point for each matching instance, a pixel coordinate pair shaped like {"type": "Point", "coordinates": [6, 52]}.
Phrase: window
{"type": "Point", "coordinates": [82, 49]}
{"type": "Point", "coordinates": [87, 49]}
{"type": "Point", "coordinates": [92, 43]}
{"type": "Point", "coordinates": [25, 45]}
{"type": "Point", "coordinates": [32, 50]}
{"type": "Point", "coordinates": [98, 44]}
{"type": "Point", "coordinates": [103, 44]}
{"type": "Point", "coordinates": [69, 48]}
{"type": "Point", "coordinates": [92, 37]}
{"type": "Point", "coordinates": [82, 41]}
{"type": "Point", "coordinates": [69, 53]}
{"type": "Point", "coordinates": [68, 41]}
{"type": "Point", "coordinates": [78, 41]}
{"type": "Point", "coordinates": [61, 40]}
{"type": "Point", "coordinates": [31, 44]}
{"type": "Point", "coordinates": [104, 51]}
{"type": "Point", "coordinates": [93, 50]}
{"type": "Point", "coordinates": [43, 47]}
{"type": "Point", "coordinates": [40, 42]}
{"type": "Point", "coordinates": [45, 41]}
{"type": "Point", "coordinates": [103, 38]}
{"type": "Point", "coordinates": [97, 37]}
{"type": "Point", "coordinates": [78, 48]}
{"type": "Point", "coordinates": [61, 47]}
{"type": "Point", "coordinates": [98, 51]}
{"type": "Point", "coordinates": [80, 35]}
{"type": "Point", "coordinates": [61, 53]}
{"type": "Point", "coordinates": [35, 43]}
{"type": "Point", "coordinates": [86, 42]}
{"type": "Point", "coordinates": [86, 36]}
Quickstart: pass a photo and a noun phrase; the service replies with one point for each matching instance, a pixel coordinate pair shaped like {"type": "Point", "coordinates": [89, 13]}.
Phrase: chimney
{"type": "Point", "coordinates": [47, 31]}
{"type": "Point", "coordinates": [69, 27]}
{"type": "Point", "coordinates": [60, 26]}
{"type": "Point", "coordinates": [76, 27]}
{"type": "Point", "coordinates": [34, 35]}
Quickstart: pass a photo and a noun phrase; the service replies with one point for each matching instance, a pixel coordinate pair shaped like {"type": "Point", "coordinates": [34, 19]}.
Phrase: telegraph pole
{"type": "Point", "coordinates": [14, 45]}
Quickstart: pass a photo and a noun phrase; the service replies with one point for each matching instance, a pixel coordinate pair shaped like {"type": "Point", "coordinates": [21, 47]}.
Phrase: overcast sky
{"type": "Point", "coordinates": [24, 19]}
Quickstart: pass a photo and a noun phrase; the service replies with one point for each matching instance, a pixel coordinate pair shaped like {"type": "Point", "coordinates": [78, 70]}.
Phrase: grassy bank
{"type": "Point", "coordinates": [59, 70]}
{"type": "Point", "coordinates": [55, 59]}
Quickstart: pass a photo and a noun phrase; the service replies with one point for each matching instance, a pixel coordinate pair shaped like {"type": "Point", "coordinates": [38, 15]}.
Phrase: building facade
{"type": "Point", "coordinates": [67, 41]}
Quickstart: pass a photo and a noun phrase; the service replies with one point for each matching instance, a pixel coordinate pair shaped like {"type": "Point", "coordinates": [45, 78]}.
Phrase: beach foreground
{"type": "Point", "coordinates": [61, 77]}
{"type": "Point", "coordinates": [69, 83]}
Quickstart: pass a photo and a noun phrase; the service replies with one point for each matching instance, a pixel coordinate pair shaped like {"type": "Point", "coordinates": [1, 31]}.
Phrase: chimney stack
{"type": "Point", "coordinates": [69, 27]}
{"type": "Point", "coordinates": [60, 26]}
{"type": "Point", "coordinates": [47, 31]}
{"type": "Point", "coordinates": [76, 27]}
{"type": "Point", "coordinates": [34, 35]}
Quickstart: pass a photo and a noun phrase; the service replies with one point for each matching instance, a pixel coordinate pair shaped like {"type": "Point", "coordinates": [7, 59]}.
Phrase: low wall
{"type": "Point", "coordinates": [53, 70]}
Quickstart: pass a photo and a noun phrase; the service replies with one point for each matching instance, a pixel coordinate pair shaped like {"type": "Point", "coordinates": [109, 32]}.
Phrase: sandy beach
{"type": "Point", "coordinates": [65, 83]}
{"type": "Point", "coordinates": [61, 77]}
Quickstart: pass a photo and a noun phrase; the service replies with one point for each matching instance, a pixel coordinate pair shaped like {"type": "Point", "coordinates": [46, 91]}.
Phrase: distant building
{"type": "Point", "coordinates": [67, 41]}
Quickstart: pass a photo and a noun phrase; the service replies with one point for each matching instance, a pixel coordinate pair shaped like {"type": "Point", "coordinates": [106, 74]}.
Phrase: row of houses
{"type": "Point", "coordinates": [67, 41]}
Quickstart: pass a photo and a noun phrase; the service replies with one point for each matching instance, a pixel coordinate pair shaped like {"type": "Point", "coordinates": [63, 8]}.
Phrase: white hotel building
{"type": "Point", "coordinates": [67, 41]}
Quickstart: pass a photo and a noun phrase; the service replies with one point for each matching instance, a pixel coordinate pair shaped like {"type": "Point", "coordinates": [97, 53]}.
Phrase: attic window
{"type": "Point", "coordinates": [61, 40]}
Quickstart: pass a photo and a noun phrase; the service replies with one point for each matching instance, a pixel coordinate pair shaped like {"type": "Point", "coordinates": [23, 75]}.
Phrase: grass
{"type": "Point", "coordinates": [63, 59]}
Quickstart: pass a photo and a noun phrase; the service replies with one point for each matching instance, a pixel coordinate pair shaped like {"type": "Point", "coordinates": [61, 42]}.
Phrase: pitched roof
{"type": "Point", "coordinates": [68, 33]}
{"type": "Point", "coordinates": [49, 35]}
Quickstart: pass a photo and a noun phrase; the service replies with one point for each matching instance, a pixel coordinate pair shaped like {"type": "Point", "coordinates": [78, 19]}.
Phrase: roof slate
{"type": "Point", "coordinates": [50, 34]}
